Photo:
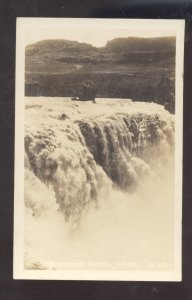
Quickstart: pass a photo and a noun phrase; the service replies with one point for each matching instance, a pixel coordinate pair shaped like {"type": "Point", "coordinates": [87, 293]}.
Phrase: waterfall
{"type": "Point", "coordinates": [76, 159]}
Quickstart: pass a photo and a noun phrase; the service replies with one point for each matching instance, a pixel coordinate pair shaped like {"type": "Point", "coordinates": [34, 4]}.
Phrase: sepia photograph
{"type": "Point", "coordinates": [98, 149]}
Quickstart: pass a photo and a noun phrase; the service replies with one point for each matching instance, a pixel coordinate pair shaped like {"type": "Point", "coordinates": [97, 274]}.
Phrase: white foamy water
{"type": "Point", "coordinates": [99, 184]}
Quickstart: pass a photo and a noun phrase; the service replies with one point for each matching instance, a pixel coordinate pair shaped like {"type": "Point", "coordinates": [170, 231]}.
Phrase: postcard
{"type": "Point", "coordinates": [98, 149]}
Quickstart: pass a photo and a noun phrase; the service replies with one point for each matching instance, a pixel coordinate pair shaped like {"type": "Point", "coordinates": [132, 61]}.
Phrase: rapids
{"type": "Point", "coordinates": [99, 183]}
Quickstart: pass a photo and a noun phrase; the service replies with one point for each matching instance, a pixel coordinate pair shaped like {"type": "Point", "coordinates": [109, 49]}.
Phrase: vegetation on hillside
{"type": "Point", "coordinates": [135, 68]}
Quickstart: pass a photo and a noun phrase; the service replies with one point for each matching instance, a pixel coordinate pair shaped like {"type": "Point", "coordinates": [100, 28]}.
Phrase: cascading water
{"type": "Point", "coordinates": [97, 177]}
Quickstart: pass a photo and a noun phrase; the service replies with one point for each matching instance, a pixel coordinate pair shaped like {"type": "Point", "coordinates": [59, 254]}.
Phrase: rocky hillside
{"type": "Point", "coordinates": [124, 68]}
{"type": "Point", "coordinates": [141, 44]}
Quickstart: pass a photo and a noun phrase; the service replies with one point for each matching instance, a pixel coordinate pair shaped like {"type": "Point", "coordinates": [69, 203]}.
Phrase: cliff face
{"type": "Point", "coordinates": [124, 68]}
{"type": "Point", "coordinates": [141, 44]}
{"type": "Point", "coordinates": [71, 51]}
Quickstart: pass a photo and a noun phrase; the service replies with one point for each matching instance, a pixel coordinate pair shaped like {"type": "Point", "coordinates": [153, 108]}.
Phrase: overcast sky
{"type": "Point", "coordinates": [93, 31]}
{"type": "Point", "coordinates": [94, 37]}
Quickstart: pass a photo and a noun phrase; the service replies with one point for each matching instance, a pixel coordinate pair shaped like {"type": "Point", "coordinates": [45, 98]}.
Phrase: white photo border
{"type": "Point", "coordinates": [23, 25]}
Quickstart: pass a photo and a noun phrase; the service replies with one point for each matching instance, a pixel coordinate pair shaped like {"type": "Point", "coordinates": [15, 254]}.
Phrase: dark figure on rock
{"type": "Point", "coordinates": [88, 91]}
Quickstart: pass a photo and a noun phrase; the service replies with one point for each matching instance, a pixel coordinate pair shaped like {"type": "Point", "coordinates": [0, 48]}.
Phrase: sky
{"type": "Point", "coordinates": [91, 31]}
{"type": "Point", "coordinates": [94, 37]}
